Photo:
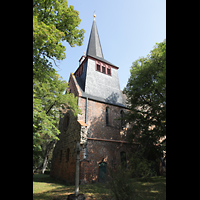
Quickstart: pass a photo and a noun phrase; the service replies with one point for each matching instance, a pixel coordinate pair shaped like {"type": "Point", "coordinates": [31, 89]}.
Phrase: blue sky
{"type": "Point", "coordinates": [128, 30]}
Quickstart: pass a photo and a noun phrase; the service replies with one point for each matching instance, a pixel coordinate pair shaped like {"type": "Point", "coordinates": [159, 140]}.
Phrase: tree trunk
{"type": "Point", "coordinates": [44, 164]}
{"type": "Point", "coordinates": [49, 147]}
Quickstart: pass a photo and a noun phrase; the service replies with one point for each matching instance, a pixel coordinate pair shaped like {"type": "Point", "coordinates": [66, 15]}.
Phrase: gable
{"type": "Point", "coordinates": [74, 86]}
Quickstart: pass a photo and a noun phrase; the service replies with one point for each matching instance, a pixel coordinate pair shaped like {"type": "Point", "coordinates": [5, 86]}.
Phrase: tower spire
{"type": "Point", "coordinates": [94, 45]}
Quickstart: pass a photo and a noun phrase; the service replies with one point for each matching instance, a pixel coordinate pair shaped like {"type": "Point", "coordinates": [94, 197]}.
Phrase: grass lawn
{"type": "Point", "coordinates": [46, 188]}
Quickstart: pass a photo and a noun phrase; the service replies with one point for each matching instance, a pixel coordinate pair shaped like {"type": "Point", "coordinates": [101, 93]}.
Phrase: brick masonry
{"type": "Point", "coordinates": [64, 156]}
{"type": "Point", "coordinates": [104, 142]}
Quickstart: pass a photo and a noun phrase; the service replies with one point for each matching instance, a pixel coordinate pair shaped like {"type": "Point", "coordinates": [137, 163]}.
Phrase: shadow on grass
{"type": "Point", "coordinates": [51, 189]}
{"type": "Point", "coordinates": [55, 194]}
{"type": "Point", "coordinates": [44, 178]}
{"type": "Point", "coordinates": [150, 188]}
{"type": "Point", "coordinates": [153, 188]}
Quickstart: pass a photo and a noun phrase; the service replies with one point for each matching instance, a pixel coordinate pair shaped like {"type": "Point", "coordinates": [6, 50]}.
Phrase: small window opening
{"type": "Point", "coordinates": [103, 69]}
{"type": "Point", "coordinates": [108, 72]}
{"type": "Point", "coordinates": [98, 68]}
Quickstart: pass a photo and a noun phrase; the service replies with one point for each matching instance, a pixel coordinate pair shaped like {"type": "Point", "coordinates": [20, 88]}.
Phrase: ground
{"type": "Point", "coordinates": [46, 188]}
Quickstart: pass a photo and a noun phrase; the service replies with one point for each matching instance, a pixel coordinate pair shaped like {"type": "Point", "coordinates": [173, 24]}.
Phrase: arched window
{"type": "Point", "coordinates": [122, 119]}
{"type": "Point", "coordinates": [123, 159]}
{"type": "Point", "coordinates": [107, 115]}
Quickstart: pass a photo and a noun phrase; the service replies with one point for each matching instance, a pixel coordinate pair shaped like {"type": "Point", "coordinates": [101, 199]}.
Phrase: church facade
{"type": "Point", "coordinates": [100, 126]}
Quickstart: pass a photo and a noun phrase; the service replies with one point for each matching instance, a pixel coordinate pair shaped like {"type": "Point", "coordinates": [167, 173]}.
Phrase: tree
{"type": "Point", "coordinates": [48, 102]}
{"type": "Point", "coordinates": [146, 97]}
{"type": "Point", "coordinates": [53, 22]}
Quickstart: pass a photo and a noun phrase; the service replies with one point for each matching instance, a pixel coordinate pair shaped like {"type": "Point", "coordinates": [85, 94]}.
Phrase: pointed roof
{"type": "Point", "coordinates": [94, 45]}
{"type": "Point", "coordinates": [94, 85]}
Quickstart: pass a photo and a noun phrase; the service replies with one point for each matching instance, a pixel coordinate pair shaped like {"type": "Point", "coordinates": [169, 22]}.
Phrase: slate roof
{"type": "Point", "coordinates": [111, 101]}
{"type": "Point", "coordinates": [94, 45]}
{"type": "Point", "coordinates": [112, 94]}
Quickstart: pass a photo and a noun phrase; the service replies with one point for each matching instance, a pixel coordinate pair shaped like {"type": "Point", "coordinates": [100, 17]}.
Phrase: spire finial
{"type": "Point", "coordinates": [94, 15]}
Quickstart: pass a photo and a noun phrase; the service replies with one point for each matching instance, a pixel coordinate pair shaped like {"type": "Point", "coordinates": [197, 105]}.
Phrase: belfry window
{"type": "Point", "coordinates": [108, 71]}
{"type": "Point", "coordinates": [98, 68]}
{"type": "Point", "coordinates": [103, 69]}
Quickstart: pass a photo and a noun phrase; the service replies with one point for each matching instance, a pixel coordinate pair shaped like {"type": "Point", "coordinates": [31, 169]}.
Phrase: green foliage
{"type": "Point", "coordinates": [141, 166]}
{"type": "Point", "coordinates": [121, 185]}
{"type": "Point", "coordinates": [48, 101]}
{"type": "Point", "coordinates": [53, 22]}
{"type": "Point", "coordinates": [146, 97]}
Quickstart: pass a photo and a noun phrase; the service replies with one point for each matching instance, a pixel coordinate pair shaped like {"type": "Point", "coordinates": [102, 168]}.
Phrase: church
{"type": "Point", "coordinates": [100, 126]}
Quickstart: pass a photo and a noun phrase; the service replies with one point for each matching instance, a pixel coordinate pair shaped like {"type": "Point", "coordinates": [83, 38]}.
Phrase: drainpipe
{"type": "Point", "coordinates": [86, 105]}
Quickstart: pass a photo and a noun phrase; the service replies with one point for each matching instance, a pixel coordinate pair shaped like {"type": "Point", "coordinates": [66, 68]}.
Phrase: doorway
{"type": "Point", "coordinates": [102, 171]}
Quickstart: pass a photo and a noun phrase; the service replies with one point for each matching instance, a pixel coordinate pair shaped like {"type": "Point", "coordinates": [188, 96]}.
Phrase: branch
{"type": "Point", "coordinates": [44, 54]}
{"type": "Point", "coordinates": [50, 107]}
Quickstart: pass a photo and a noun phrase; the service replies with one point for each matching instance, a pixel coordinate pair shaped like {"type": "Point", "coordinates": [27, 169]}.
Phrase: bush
{"type": "Point", "coordinates": [120, 184]}
{"type": "Point", "coordinates": [141, 167]}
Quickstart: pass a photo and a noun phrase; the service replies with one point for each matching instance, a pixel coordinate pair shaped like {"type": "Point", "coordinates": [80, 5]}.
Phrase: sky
{"type": "Point", "coordinates": [128, 30]}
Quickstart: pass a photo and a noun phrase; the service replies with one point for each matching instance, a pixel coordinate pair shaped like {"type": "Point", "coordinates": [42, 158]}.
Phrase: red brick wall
{"type": "Point", "coordinates": [97, 151]}
{"type": "Point", "coordinates": [108, 151]}
{"type": "Point", "coordinates": [96, 120]}
{"type": "Point", "coordinates": [62, 168]}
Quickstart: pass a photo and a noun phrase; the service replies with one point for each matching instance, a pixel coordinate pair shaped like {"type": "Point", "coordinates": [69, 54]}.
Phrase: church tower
{"type": "Point", "coordinates": [100, 125]}
{"type": "Point", "coordinates": [96, 77]}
